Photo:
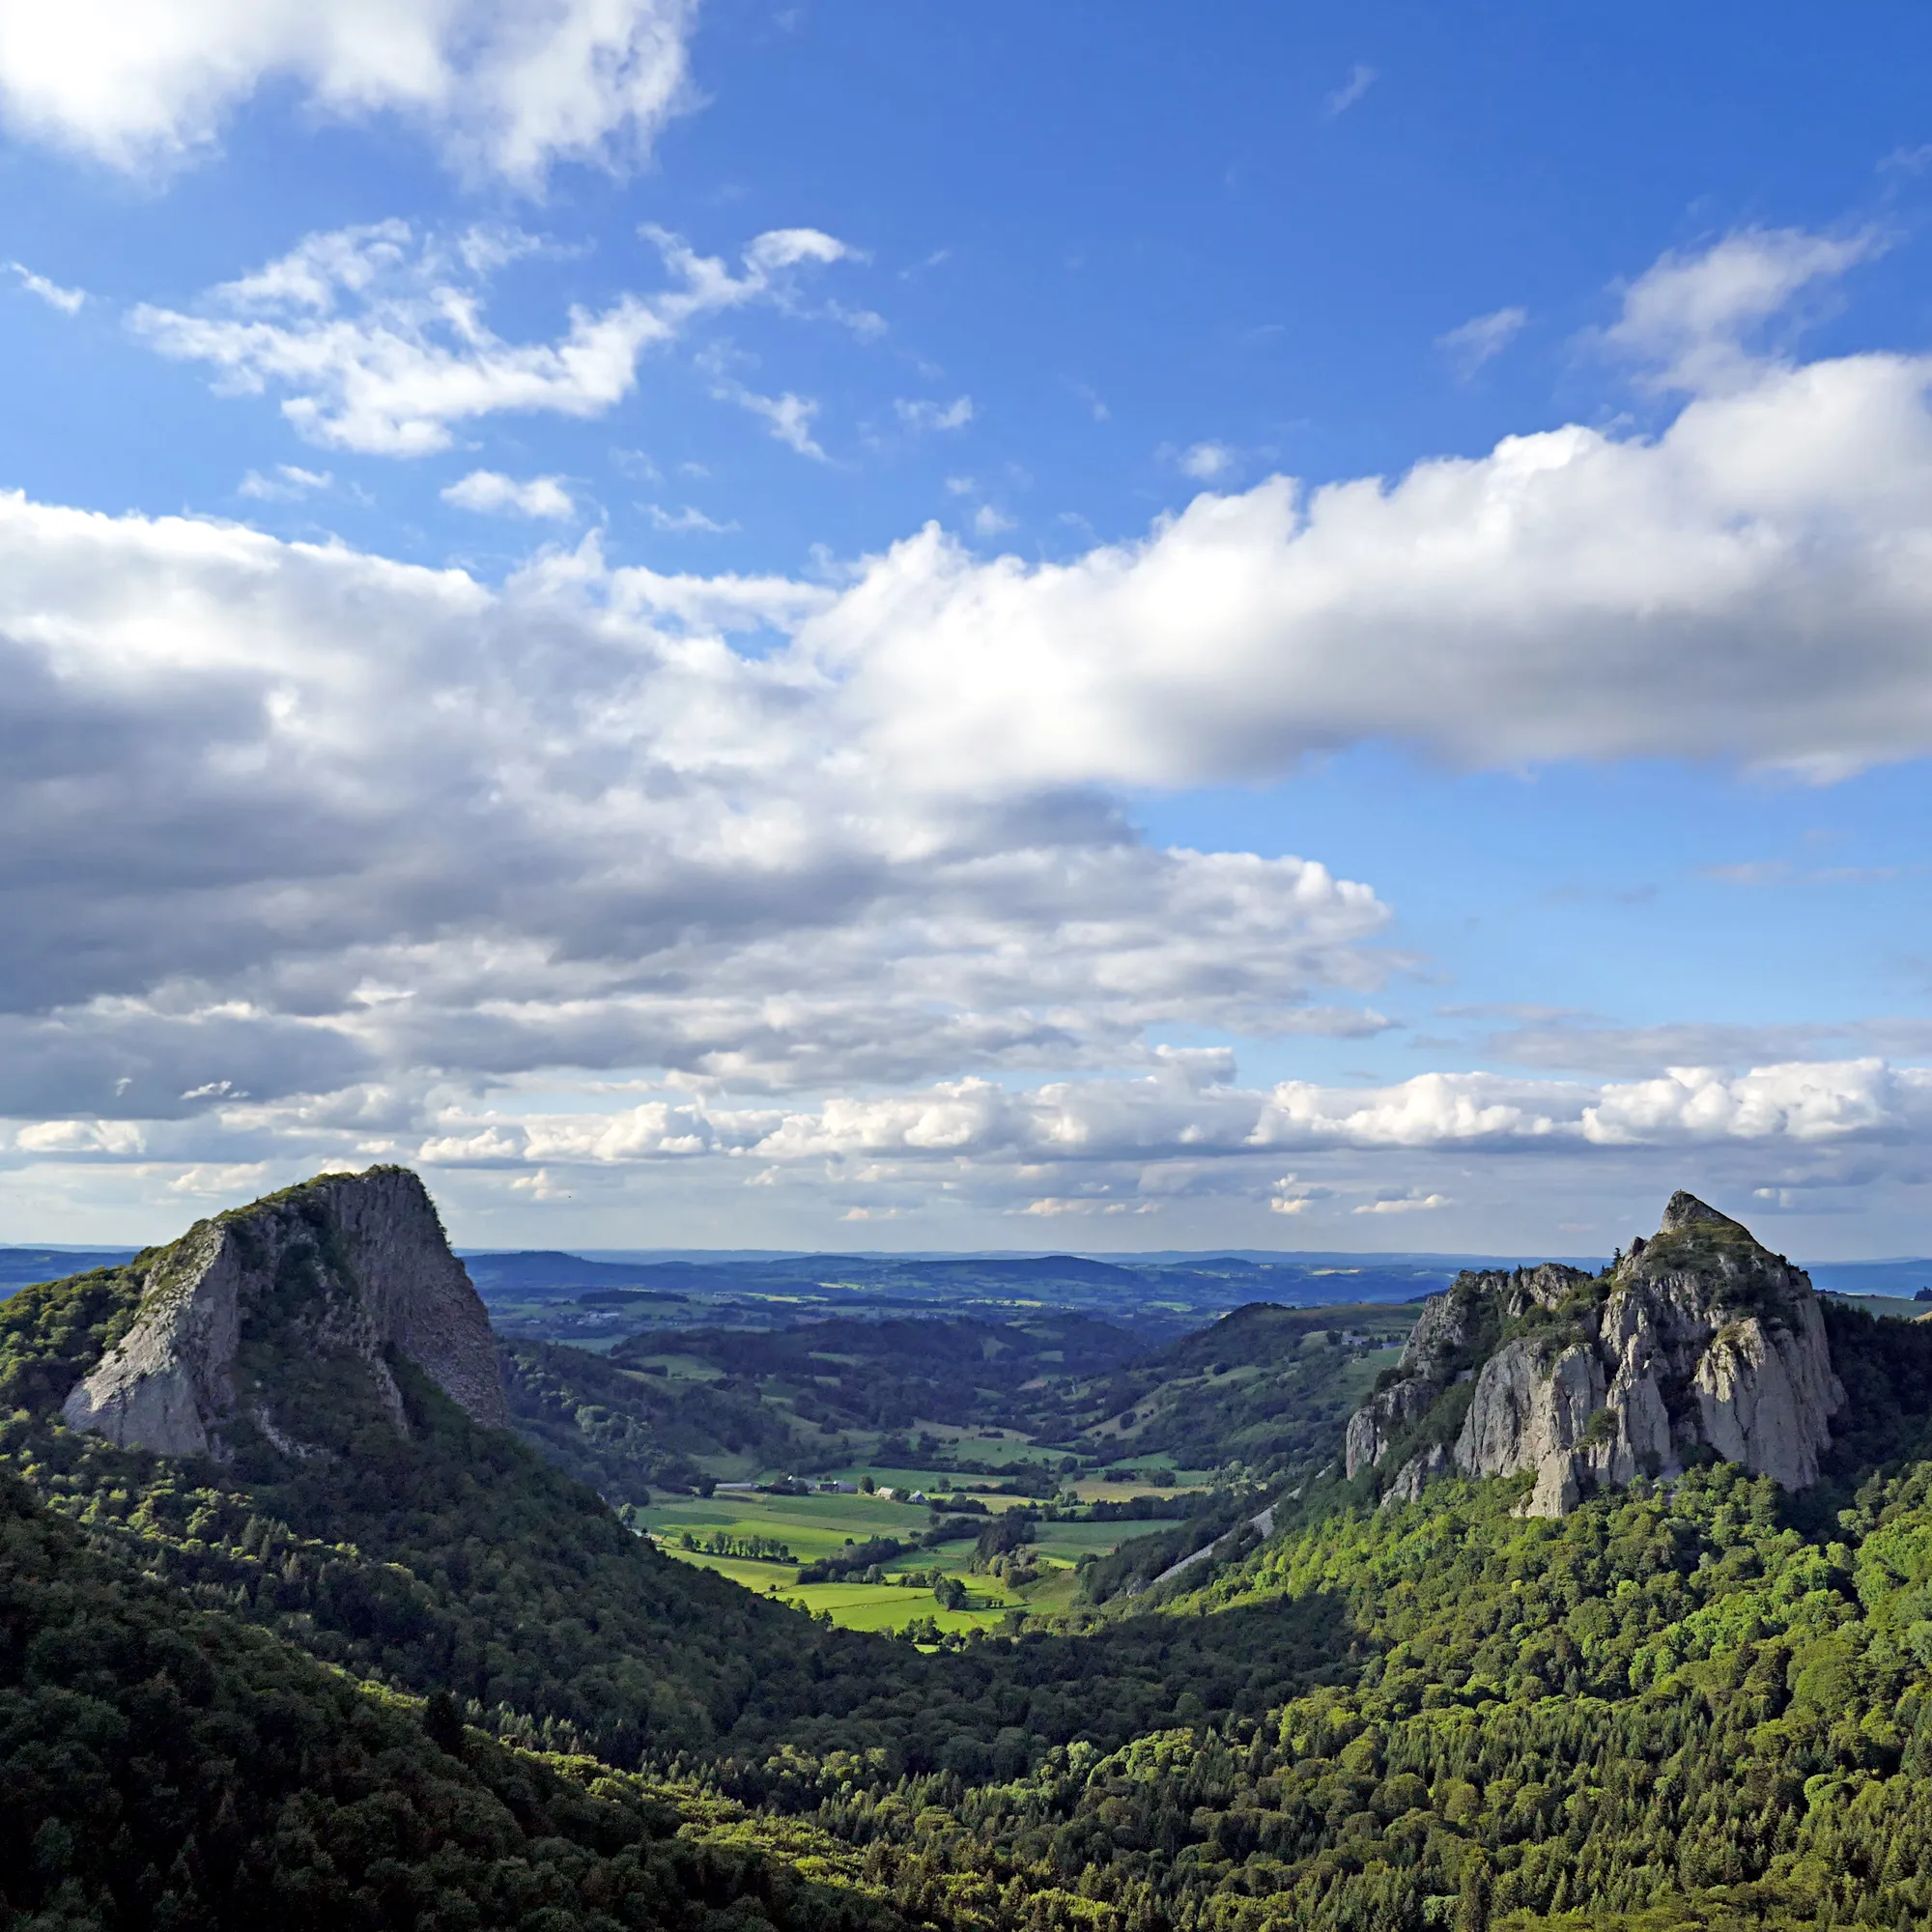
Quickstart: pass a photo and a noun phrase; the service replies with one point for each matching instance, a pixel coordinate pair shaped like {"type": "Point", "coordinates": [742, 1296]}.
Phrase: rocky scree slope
{"type": "Point", "coordinates": [1699, 1345]}
{"type": "Point", "coordinates": [330, 1276]}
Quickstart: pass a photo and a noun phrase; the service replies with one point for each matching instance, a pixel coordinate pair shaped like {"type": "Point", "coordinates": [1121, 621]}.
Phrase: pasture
{"type": "Point", "coordinates": [822, 1524]}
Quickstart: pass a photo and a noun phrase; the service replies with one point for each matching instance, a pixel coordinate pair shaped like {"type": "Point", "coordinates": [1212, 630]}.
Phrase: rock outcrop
{"type": "Point", "coordinates": [347, 1266]}
{"type": "Point", "coordinates": [1698, 1342]}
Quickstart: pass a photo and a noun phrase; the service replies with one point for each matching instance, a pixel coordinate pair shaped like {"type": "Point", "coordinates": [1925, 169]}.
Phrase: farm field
{"type": "Point", "coordinates": [821, 1524]}
{"type": "Point", "coordinates": [812, 1527]}
{"type": "Point", "coordinates": [1896, 1306]}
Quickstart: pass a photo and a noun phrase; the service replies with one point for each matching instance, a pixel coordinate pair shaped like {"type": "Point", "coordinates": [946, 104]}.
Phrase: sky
{"type": "Point", "coordinates": [1046, 628]}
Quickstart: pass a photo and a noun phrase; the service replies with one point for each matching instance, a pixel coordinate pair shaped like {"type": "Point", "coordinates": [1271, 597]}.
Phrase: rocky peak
{"type": "Point", "coordinates": [1699, 1342]}
{"type": "Point", "coordinates": [239, 1318]}
{"type": "Point", "coordinates": [1684, 1210]}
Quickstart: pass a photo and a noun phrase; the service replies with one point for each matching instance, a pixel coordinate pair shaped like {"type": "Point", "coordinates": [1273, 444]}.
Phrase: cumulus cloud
{"type": "Point", "coordinates": [1762, 559]}
{"type": "Point", "coordinates": [788, 417]}
{"type": "Point", "coordinates": [1185, 1136]}
{"type": "Point", "coordinates": [374, 335]}
{"type": "Point", "coordinates": [333, 852]}
{"type": "Point", "coordinates": [315, 832]}
{"type": "Point", "coordinates": [1185, 1109]}
{"type": "Point", "coordinates": [73, 1137]}
{"type": "Point", "coordinates": [493, 493]}
{"type": "Point", "coordinates": [505, 90]}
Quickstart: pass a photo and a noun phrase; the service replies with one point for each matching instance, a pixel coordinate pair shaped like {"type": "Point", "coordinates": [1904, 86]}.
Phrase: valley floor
{"type": "Point", "coordinates": [819, 1525]}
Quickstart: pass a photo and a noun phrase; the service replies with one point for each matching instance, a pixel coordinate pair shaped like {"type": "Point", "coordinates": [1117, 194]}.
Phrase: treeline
{"type": "Point", "coordinates": [747, 1549]}
{"type": "Point", "coordinates": [854, 1560]}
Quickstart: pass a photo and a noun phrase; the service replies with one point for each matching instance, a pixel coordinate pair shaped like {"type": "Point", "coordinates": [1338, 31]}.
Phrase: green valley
{"type": "Point", "coordinates": [1320, 1617]}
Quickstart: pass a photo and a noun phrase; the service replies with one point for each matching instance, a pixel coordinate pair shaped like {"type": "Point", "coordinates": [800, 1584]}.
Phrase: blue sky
{"type": "Point", "coordinates": [775, 625]}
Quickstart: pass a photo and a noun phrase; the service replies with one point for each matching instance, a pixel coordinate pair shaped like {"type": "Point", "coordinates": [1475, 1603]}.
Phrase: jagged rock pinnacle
{"type": "Point", "coordinates": [1692, 1346]}
{"type": "Point", "coordinates": [350, 1265]}
{"type": "Point", "coordinates": [1683, 1210]}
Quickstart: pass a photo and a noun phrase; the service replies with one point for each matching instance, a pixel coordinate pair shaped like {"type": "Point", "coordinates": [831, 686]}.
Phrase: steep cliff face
{"type": "Point", "coordinates": [242, 1309]}
{"type": "Point", "coordinates": [1699, 1341]}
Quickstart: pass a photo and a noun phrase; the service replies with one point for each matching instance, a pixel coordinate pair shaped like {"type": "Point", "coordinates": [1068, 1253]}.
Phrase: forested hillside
{"type": "Point", "coordinates": [161, 1765]}
{"type": "Point", "coordinates": [1705, 1700]}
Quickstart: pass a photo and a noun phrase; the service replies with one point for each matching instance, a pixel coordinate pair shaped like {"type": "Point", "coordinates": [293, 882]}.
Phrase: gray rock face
{"type": "Point", "coordinates": [1697, 1337]}
{"type": "Point", "coordinates": [1374, 1425]}
{"type": "Point", "coordinates": [1414, 1475]}
{"type": "Point", "coordinates": [348, 1262]}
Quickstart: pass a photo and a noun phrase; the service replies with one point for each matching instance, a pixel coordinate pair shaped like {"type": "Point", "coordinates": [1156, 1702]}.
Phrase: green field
{"type": "Point", "coordinates": [1896, 1306]}
{"type": "Point", "coordinates": [821, 1524]}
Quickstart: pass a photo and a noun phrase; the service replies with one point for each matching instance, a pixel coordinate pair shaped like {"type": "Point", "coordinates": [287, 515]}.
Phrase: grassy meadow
{"type": "Point", "coordinates": [822, 1523]}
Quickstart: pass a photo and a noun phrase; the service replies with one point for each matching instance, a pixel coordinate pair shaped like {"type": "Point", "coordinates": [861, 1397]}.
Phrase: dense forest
{"type": "Point", "coordinates": [164, 1765]}
{"type": "Point", "coordinates": [431, 1679]}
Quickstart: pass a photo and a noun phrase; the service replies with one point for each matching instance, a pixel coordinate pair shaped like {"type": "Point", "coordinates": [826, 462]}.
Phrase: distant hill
{"type": "Point", "coordinates": [551, 1268]}
{"type": "Point", "coordinates": [1900, 1280]}
{"type": "Point", "coordinates": [21, 1266]}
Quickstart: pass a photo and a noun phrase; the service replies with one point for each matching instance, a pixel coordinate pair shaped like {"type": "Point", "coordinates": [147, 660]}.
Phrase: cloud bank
{"type": "Point", "coordinates": [505, 90]}
{"type": "Point", "coordinates": [831, 876]}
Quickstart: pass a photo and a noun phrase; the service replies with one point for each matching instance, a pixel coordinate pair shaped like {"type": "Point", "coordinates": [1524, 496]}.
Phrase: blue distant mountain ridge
{"type": "Point", "coordinates": [1165, 1289]}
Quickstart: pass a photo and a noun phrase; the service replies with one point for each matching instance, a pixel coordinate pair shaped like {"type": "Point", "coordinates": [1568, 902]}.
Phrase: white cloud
{"type": "Point", "coordinates": [288, 484]}
{"type": "Point", "coordinates": [1184, 1134]}
{"type": "Point", "coordinates": [1472, 343]}
{"type": "Point", "coordinates": [1096, 405]}
{"type": "Point", "coordinates": [376, 846]}
{"type": "Point", "coordinates": [357, 832]}
{"type": "Point", "coordinates": [1053, 1207]}
{"type": "Point", "coordinates": [72, 1137]}
{"type": "Point", "coordinates": [1689, 316]}
{"type": "Point", "coordinates": [991, 522]}
{"type": "Point", "coordinates": [1290, 1194]}
{"type": "Point", "coordinates": [679, 522]}
{"type": "Point", "coordinates": [376, 336]}
{"type": "Point", "coordinates": [1763, 559]}
{"type": "Point", "coordinates": [222, 1180]}
{"type": "Point", "coordinates": [504, 90]}
{"type": "Point", "coordinates": [956, 415]}
{"type": "Point", "coordinates": [69, 302]}
{"type": "Point", "coordinates": [1801, 1101]}
{"type": "Point", "coordinates": [1206, 461]}
{"type": "Point", "coordinates": [788, 417]}
{"type": "Point", "coordinates": [493, 493]}
{"type": "Point", "coordinates": [1352, 90]}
